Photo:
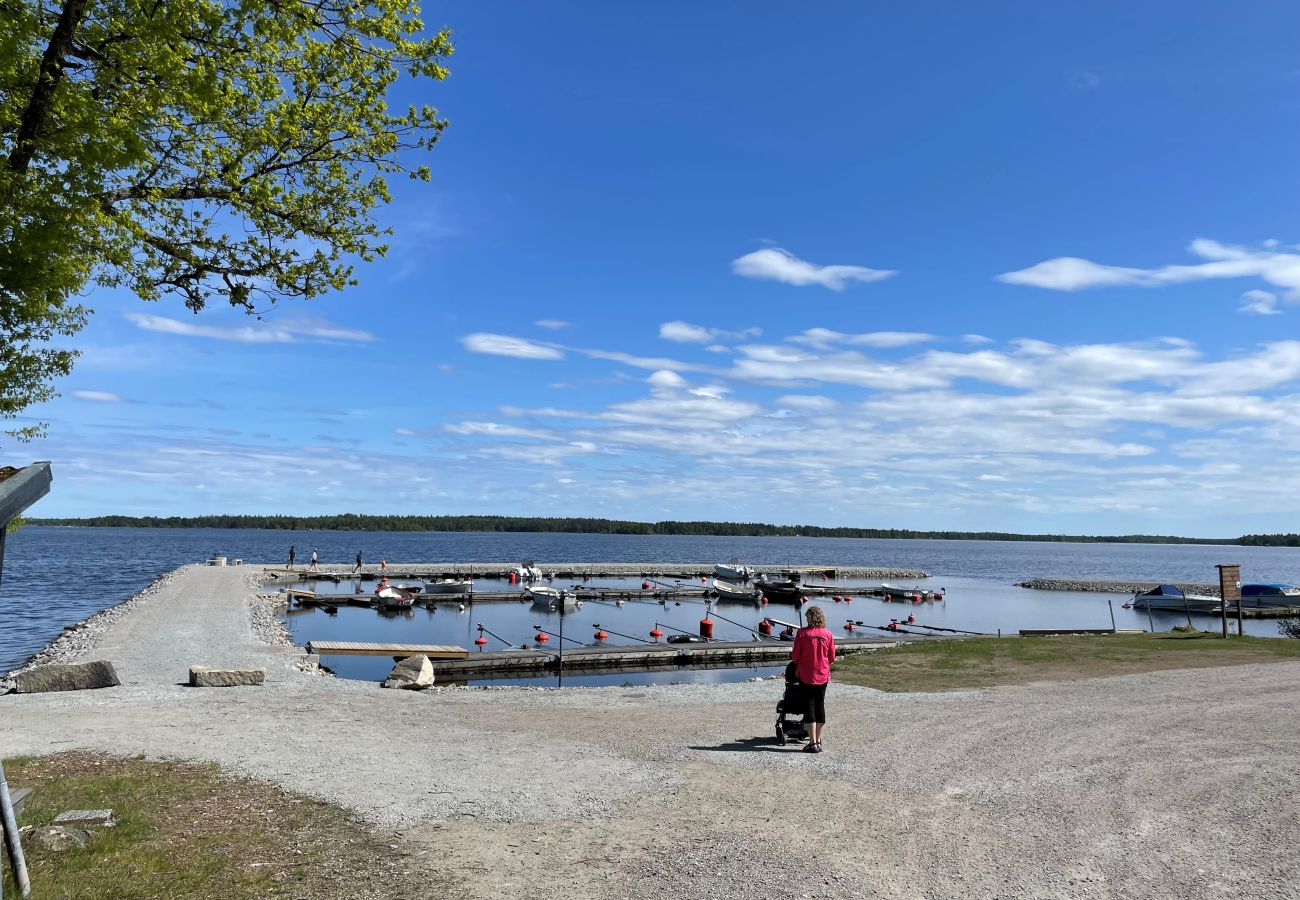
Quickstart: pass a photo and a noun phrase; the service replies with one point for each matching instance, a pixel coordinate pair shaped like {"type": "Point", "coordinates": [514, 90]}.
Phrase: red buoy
{"type": "Point", "coordinates": [703, 580]}
{"type": "Point", "coordinates": [656, 633]}
{"type": "Point", "coordinates": [706, 628]}
{"type": "Point", "coordinates": [514, 577]}
{"type": "Point", "coordinates": [765, 627]}
{"type": "Point", "coordinates": [645, 585]}
{"type": "Point", "coordinates": [542, 638]}
{"type": "Point", "coordinates": [803, 599]}
{"type": "Point", "coordinates": [889, 598]}
{"type": "Point", "coordinates": [910, 618]}
{"type": "Point", "coordinates": [848, 626]}
{"type": "Point", "coordinates": [836, 598]}
{"type": "Point", "coordinates": [764, 600]}
{"type": "Point", "coordinates": [848, 599]}
{"type": "Point", "coordinates": [601, 635]}
{"type": "Point", "coordinates": [480, 640]}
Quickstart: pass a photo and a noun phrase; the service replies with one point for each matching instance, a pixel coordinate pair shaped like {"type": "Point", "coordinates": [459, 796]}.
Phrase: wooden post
{"type": "Point", "coordinates": [1229, 590]}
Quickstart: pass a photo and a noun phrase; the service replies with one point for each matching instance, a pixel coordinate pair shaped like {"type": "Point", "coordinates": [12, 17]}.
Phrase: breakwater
{"type": "Point", "coordinates": [1105, 586]}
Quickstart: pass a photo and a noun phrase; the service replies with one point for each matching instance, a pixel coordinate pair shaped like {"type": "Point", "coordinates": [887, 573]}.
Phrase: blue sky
{"type": "Point", "coordinates": [1018, 266]}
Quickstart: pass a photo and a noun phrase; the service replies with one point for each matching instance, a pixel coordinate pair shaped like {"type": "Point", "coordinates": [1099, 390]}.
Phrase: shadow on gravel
{"type": "Point", "coordinates": [749, 745]}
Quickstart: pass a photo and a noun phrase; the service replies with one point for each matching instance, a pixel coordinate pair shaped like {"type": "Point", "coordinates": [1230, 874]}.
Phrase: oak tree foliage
{"type": "Point", "coordinates": [227, 151]}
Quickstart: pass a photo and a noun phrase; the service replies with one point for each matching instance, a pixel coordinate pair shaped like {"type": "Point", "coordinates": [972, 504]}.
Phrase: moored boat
{"type": "Point", "coordinates": [1174, 599]}
{"type": "Point", "coordinates": [1257, 595]}
{"type": "Point", "coordinates": [736, 593]}
{"type": "Point", "coordinates": [733, 570]}
{"type": "Point", "coordinates": [549, 596]}
{"type": "Point", "coordinates": [784, 587]}
{"type": "Point", "coordinates": [449, 586]}
{"type": "Point", "coordinates": [389, 597]}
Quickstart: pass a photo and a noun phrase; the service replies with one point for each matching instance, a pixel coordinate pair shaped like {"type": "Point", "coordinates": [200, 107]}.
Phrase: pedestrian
{"type": "Point", "coordinates": [383, 565]}
{"type": "Point", "coordinates": [293, 552]}
{"type": "Point", "coordinates": [313, 559]}
{"type": "Point", "coordinates": [357, 567]}
{"type": "Point", "coordinates": [813, 652]}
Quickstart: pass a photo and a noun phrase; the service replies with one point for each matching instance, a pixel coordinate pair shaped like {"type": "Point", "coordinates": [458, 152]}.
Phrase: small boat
{"type": "Point", "coordinates": [449, 586]}
{"type": "Point", "coordinates": [785, 587]}
{"type": "Point", "coordinates": [549, 596]}
{"type": "Point", "coordinates": [1261, 596]}
{"type": "Point", "coordinates": [906, 593]}
{"type": "Point", "coordinates": [527, 571]}
{"type": "Point", "coordinates": [389, 597]}
{"type": "Point", "coordinates": [732, 570]}
{"type": "Point", "coordinates": [736, 593]}
{"type": "Point", "coordinates": [1174, 599]}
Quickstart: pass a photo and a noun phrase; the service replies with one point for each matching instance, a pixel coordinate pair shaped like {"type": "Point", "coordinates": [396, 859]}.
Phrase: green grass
{"type": "Point", "coordinates": [186, 831]}
{"type": "Point", "coordinates": [988, 662]}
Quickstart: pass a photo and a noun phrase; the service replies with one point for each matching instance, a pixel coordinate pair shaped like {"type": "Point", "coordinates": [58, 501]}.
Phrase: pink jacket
{"type": "Point", "coordinates": [813, 653]}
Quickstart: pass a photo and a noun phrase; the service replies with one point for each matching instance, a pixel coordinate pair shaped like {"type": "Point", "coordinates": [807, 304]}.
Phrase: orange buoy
{"type": "Point", "coordinates": [656, 633]}
{"type": "Point", "coordinates": [542, 638]}
{"type": "Point", "coordinates": [514, 577]}
{"type": "Point", "coordinates": [601, 635]}
{"type": "Point", "coordinates": [765, 627]}
{"type": "Point", "coordinates": [480, 640]}
{"type": "Point", "coordinates": [706, 628]}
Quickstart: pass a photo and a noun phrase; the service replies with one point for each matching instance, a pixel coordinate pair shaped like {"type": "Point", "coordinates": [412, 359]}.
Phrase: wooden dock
{"type": "Point", "coordinates": [455, 663]}
{"type": "Point", "coordinates": [397, 651]}
{"type": "Point", "coordinates": [567, 571]}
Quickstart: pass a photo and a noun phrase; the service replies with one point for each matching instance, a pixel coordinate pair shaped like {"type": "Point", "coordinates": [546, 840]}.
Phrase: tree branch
{"type": "Point", "coordinates": [38, 108]}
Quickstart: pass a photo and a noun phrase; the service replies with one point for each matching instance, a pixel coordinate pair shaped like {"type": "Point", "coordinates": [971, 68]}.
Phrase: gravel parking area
{"type": "Point", "coordinates": [1172, 784]}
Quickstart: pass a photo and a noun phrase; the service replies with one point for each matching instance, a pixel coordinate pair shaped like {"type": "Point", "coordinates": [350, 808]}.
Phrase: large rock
{"type": "Point", "coordinates": [76, 677]}
{"type": "Point", "coordinates": [415, 673]}
{"type": "Point", "coordinates": [56, 838]}
{"type": "Point", "coordinates": [208, 676]}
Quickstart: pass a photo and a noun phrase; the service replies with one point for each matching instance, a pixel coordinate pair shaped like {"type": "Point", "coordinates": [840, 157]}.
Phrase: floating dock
{"type": "Point", "coordinates": [439, 571]}
{"type": "Point", "coordinates": [458, 664]}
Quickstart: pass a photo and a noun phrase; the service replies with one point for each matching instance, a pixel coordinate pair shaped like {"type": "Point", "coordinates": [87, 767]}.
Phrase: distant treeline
{"type": "Point", "coordinates": [353, 522]}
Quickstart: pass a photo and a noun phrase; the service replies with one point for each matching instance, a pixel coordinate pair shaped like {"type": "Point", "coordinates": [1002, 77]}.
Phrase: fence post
{"type": "Point", "coordinates": [1229, 590]}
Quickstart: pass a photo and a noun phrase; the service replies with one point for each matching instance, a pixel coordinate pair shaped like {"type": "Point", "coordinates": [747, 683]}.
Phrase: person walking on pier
{"type": "Point", "coordinates": [357, 567]}
{"type": "Point", "coordinates": [313, 559]}
{"type": "Point", "coordinates": [813, 652]}
{"type": "Point", "coordinates": [293, 552]}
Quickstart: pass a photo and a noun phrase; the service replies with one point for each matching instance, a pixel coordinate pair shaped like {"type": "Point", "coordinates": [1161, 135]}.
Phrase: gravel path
{"type": "Point", "coordinates": [1173, 784]}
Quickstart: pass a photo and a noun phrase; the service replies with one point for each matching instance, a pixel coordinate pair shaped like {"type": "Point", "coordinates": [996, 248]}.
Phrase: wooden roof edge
{"type": "Point", "coordinates": [20, 491]}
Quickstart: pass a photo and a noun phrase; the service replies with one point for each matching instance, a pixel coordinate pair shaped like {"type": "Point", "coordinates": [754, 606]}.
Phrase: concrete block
{"type": "Point", "coordinates": [83, 818]}
{"type": "Point", "coordinates": [208, 676]}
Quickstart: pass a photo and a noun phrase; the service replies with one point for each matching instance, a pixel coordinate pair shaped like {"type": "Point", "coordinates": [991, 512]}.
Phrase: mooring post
{"type": "Point", "coordinates": [1229, 590]}
{"type": "Point", "coordinates": [1111, 607]}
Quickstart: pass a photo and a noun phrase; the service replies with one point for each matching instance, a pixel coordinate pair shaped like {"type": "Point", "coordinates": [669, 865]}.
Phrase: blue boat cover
{"type": "Point", "coordinates": [1163, 590]}
{"type": "Point", "coordinates": [1259, 589]}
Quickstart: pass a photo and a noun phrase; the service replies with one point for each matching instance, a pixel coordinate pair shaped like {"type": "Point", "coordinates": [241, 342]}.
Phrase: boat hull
{"type": "Point", "coordinates": [448, 587]}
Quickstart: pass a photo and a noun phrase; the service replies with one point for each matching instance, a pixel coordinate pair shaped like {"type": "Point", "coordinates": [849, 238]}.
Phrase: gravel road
{"type": "Point", "coordinates": [1170, 784]}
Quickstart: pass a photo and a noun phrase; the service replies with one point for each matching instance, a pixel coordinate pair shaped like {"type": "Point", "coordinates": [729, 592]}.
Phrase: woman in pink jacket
{"type": "Point", "coordinates": [813, 653]}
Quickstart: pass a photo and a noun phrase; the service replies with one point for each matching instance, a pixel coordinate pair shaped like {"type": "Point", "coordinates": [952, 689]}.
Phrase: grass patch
{"type": "Point", "coordinates": [187, 831]}
{"type": "Point", "coordinates": [987, 662]}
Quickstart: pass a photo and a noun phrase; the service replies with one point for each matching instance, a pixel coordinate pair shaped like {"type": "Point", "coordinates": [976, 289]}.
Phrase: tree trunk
{"type": "Point", "coordinates": [38, 108]}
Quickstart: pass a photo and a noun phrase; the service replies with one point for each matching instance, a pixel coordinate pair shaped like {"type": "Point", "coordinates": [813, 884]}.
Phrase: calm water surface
{"type": "Point", "coordinates": [58, 576]}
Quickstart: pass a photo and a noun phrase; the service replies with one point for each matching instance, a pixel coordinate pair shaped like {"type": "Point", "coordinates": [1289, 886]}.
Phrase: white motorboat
{"type": "Point", "coordinates": [390, 597]}
{"type": "Point", "coordinates": [733, 570]}
{"type": "Point", "coordinates": [1174, 599]}
{"type": "Point", "coordinates": [549, 596]}
{"type": "Point", "coordinates": [1264, 595]}
{"type": "Point", "coordinates": [449, 586]}
{"type": "Point", "coordinates": [527, 571]}
{"type": "Point", "coordinates": [736, 593]}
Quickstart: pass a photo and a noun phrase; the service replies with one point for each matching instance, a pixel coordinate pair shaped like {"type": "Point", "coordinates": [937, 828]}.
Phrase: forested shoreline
{"type": "Point", "coordinates": [356, 522]}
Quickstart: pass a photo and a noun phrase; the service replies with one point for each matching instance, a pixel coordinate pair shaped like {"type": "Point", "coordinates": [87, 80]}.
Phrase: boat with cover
{"type": "Point", "coordinates": [449, 586]}
{"type": "Point", "coordinates": [736, 593]}
{"type": "Point", "coordinates": [733, 570]}
{"type": "Point", "coordinates": [783, 587]}
{"type": "Point", "coordinates": [390, 597]}
{"type": "Point", "coordinates": [1259, 595]}
{"type": "Point", "coordinates": [1175, 599]}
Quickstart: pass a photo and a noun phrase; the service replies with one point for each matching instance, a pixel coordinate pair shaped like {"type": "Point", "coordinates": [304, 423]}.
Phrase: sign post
{"type": "Point", "coordinates": [1229, 591]}
{"type": "Point", "coordinates": [18, 490]}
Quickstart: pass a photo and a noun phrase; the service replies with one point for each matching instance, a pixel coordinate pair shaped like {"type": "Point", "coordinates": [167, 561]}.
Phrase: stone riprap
{"type": "Point", "coordinates": [1087, 585]}
{"type": "Point", "coordinates": [72, 677]}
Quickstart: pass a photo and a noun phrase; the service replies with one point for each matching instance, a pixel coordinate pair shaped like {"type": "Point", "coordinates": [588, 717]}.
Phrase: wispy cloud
{"type": "Point", "coordinates": [505, 345]}
{"type": "Point", "coordinates": [685, 333]}
{"type": "Point", "coordinates": [98, 396]}
{"type": "Point", "coordinates": [1259, 303]}
{"type": "Point", "coordinates": [553, 324]}
{"type": "Point", "coordinates": [775, 264]}
{"type": "Point", "coordinates": [824, 337]}
{"type": "Point", "coordinates": [276, 331]}
{"type": "Point", "coordinates": [1068, 273]}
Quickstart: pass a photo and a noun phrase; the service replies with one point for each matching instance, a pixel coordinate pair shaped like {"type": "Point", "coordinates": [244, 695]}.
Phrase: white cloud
{"type": "Point", "coordinates": [98, 396]}
{"type": "Point", "coordinates": [1068, 273]}
{"type": "Point", "coordinates": [494, 429]}
{"type": "Point", "coordinates": [807, 402]}
{"type": "Point", "coordinates": [1260, 303]}
{"type": "Point", "coordinates": [774, 264]}
{"type": "Point", "coordinates": [553, 324]}
{"type": "Point", "coordinates": [667, 379]}
{"type": "Point", "coordinates": [268, 331]}
{"type": "Point", "coordinates": [684, 332]}
{"type": "Point", "coordinates": [976, 339]}
{"type": "Point", "coordinates": [505, 345]}
{"type": "Point", "coordinates": [824, 337]}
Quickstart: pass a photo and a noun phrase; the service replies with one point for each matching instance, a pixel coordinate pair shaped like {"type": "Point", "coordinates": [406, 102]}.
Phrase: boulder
{"type": "Point", "coordinates": [208, 676]}
{"type": "Point", "coordinates": [56, 838]}
{"type": "Point", "coordinates": [76, 677]}
{"type": "Point", "coordinates": [415, 673]}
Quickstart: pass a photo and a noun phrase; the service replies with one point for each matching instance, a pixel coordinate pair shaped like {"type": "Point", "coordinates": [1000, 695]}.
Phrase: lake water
{"type": "Point", "coordinates": [58, 576]}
